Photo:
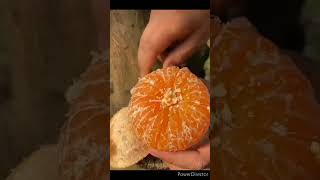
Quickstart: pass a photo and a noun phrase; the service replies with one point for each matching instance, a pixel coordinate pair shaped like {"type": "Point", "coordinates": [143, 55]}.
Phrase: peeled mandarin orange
{"type": "Point", "coordinates": [83, 147]}
{"type": "Point", "coordinates": [170, 109]}
{"type": "Point", "coordinates": [267, 124]}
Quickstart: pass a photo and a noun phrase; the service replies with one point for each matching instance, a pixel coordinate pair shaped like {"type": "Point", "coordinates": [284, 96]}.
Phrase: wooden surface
{"type": "Point", "coordinates": [49, 45]}
{"type": "Point", "coordinates": [126, 28]}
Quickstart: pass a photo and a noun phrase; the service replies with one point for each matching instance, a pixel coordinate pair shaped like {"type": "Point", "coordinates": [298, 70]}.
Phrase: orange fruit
{"type": "Point", "coordinates": [267, 124]}
{"type": "Point", "coordinates": [83, 146]}
{"type": "Point", "coordinates": [125, 148]}
{"type": "Point", "coordinates": [170, 109]}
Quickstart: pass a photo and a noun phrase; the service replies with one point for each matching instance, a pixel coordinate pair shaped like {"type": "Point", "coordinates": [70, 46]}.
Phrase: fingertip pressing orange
{"type": "Point", "coordinates": [170, 109]}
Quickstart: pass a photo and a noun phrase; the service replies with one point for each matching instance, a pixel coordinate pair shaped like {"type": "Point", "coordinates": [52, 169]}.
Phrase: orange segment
{"type": "Point", "coordinates": [84, 136]}
{"type": "Point", "coordinates": [267, 114]}
{"type": "Point", "coordinates": [170, 109]}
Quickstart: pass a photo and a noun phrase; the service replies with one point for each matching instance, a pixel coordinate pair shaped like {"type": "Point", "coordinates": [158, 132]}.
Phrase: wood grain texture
{"type": "Point", "coordinates": [126, 28]}
{"type": "Point", "coordinates": [49, 44]}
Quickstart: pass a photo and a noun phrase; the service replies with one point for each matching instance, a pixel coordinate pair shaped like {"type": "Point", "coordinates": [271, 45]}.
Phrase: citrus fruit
{"type": "Point", "coordinates": [268, 124]}
{"type": "Point", "coordinates": [83, 141]}
{"type": "Point", "coordinates": [125, 147]}
{"type": "Point", "coordinates": [170, 109]}
{"type": "Point", "coordinates": [41, 164]}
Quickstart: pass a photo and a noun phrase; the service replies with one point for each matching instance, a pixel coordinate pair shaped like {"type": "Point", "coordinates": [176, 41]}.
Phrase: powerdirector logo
{"type": "Point", "coordinates": [190, 174]}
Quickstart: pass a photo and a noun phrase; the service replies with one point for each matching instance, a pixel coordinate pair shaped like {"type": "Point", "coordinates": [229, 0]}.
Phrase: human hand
{"type": "Point", "coordinates": [187, 30]}
{"type": "Point", "coordinates": [194, 159]}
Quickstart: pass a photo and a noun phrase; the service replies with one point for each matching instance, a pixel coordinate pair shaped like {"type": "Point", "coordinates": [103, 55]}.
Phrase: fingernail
{"type": "Point", "coordinates": [167, 64]}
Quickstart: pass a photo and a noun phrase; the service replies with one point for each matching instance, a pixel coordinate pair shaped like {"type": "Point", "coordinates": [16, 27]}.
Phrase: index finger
{"type": "Point", "coordinates": [154, 40]}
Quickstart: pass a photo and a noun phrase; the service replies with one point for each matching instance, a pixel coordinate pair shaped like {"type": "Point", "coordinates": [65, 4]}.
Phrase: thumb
{"type": "Point", "coordinates": [182, 159]}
